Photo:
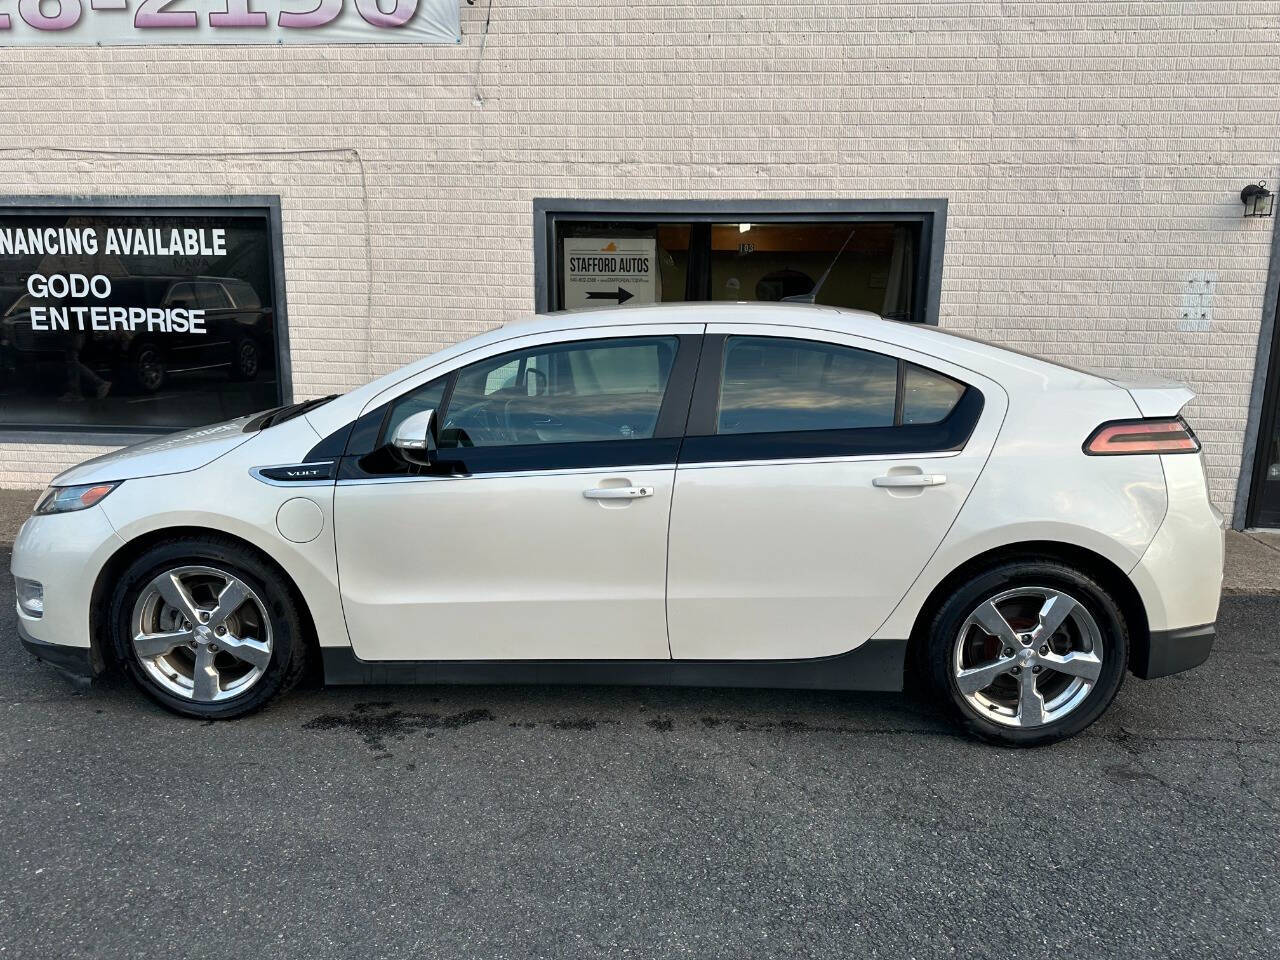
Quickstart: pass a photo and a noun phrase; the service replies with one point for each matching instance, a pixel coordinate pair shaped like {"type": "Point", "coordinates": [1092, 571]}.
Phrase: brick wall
{"type": "Point", "coordinates": [1092, 153]}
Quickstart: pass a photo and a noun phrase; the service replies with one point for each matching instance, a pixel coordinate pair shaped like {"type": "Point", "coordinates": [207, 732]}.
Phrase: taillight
{"type": "Point", "coordinates": [1157, 435]}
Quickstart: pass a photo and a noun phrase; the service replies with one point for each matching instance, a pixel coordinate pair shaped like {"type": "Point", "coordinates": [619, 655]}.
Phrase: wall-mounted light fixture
{"type": "Point", "coordinates": [1258, 200]}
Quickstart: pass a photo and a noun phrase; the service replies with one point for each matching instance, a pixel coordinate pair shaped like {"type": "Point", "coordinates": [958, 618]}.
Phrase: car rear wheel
{"type": "Point", "coordinates": [207, 629]}
{"type": "Point", "coordinates": [1029, 652]}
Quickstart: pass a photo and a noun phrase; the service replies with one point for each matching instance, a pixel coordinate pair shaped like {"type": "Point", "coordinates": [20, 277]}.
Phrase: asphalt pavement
{"type": "Point", "coordinates": [596, 822]}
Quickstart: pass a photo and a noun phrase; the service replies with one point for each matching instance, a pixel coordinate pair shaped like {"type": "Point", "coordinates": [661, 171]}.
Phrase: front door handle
{"type": "Point", "coordinates": [617, 493]}
{"type": "Point", "coordinates": [911, 480]}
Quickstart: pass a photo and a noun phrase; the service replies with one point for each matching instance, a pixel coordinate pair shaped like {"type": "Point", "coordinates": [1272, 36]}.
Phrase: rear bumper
{"type": "Point", "coordinates": [1179, 578]}
{"type": "Point", "coordinates": [1166, 652]}
{"type": "Point", "coordinates": [74, 663]}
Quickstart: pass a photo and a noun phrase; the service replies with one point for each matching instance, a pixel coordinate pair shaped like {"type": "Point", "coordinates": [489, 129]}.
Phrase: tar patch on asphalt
{"type": "Point", "coordinates": [572, 723]}
{"type": "Point", "coordinates": [375, 724]}
{"type": "Point", "coordinates": [379, 723]}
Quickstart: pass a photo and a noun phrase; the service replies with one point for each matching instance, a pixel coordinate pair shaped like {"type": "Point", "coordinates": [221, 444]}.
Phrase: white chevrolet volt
{"type": "Point", "coordinates": [719, 494]}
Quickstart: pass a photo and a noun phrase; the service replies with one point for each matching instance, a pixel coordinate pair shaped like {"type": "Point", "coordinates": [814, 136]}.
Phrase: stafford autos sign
{"type": "Point", "coordinates": [147, 22]}
{"type": "Point", "coordinates": [605, 272]}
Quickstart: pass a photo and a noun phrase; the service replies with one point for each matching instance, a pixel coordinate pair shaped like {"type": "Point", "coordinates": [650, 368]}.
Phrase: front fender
{"type": "Point", "coordinates": [225, 498]}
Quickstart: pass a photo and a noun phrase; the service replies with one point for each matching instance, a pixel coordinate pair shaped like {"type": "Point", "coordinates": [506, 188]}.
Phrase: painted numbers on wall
{"type": "Point", "coordinates": [141, 22]}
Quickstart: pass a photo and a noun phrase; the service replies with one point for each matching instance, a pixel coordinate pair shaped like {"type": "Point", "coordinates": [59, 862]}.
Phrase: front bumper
{"type": "Point", "coordinates": [77, 664]}
{"type": "Point", "coordinates": [64, 553]}
{"type": "Point", "coordinates": [1166, 652]}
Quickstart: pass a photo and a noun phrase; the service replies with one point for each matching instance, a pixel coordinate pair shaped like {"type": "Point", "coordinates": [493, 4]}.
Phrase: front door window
{"type": "Point", "coordinates": [574, 393]}
{"type": "Point", "coordinates": [589, 403]}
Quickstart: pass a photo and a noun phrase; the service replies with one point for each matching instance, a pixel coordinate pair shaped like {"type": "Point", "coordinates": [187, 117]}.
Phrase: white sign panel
{"type": "Point", "coordinates": [149, 22]}
{"type": "Point", "coordinates": [604, 272]}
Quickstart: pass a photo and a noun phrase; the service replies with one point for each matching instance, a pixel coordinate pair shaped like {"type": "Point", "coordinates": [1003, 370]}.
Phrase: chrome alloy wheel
{"type": "Point", "coordinates": [201, 633]}
{"type": "Point", "coordinates": [1027, 657]}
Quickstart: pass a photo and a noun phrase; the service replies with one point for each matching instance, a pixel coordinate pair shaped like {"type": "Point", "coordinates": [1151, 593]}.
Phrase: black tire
{"type": "Point", "coordinates": [290, 649]}
{"type": "Point", "coordinates": [246, 359]}
{"type": "Point", "coordinates": [146, 368]}
{"type": "Point", "coordinates": [943, 635]}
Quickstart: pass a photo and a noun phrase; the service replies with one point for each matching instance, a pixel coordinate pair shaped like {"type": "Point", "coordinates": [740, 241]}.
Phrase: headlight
{"type": "Point", "coordinates": [66, 499]}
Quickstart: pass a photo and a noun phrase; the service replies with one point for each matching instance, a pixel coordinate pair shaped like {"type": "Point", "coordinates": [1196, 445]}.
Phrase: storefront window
{"type": "Point", "coordinates": [868, 266]}
{"type": "Point", "coordinates": [862, 262]}
{"type": "Point", "coordinates": [136, 321]}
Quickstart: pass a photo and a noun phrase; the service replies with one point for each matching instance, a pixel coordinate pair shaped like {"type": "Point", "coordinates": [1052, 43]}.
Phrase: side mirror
{"type": "Point", "coordinates": [415, 437]}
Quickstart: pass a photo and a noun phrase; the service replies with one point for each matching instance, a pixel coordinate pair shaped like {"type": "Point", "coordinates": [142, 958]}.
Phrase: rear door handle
{"type": "Point", "coordinates": [911, 480]}
{"type": "Point", "coordinates": [617, 493]}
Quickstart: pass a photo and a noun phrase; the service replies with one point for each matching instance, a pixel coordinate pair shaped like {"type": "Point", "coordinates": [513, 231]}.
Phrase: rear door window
{"type": "Point", "coordinates": [772, 385]}
{"type": "Point", "coordinates": [779, 398]}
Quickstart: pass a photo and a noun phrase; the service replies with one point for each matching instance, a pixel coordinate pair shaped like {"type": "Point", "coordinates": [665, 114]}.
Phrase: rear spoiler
{"type": "Point", "coordinates": [1154, 397]}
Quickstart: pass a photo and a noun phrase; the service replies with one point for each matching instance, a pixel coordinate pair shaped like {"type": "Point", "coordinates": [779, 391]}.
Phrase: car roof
{"type": "Point", "coordinates": [797, 314]}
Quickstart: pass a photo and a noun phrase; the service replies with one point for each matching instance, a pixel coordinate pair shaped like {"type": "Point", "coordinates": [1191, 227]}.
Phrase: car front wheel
{"type": "Point", "coordinates": [1029, 652]}
{"type": "Point", "coordinates": [207, 629]}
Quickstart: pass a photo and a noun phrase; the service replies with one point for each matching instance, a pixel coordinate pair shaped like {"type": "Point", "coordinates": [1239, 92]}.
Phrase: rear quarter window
{"type": "Point", "coordinates": [928, 396]}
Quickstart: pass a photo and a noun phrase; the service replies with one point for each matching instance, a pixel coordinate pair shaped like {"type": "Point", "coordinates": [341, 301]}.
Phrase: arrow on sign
{"type": "Point", "coordinates": [622, 296]}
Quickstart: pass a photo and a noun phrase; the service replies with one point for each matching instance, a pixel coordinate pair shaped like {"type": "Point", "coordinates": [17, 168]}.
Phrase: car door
{"type": "Point", "coordinates": [820, 473]}
{"type": "Point", "coordinates": [541, 531]}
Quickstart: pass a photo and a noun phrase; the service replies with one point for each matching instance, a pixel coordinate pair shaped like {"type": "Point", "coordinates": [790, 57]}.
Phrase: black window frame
{"type": "Point", "coordinates": [929, 213]}
{"type": "Point", "coordinates": [265, 205]}
{"type": "Point", "coordinates": [685, 433]}
{"type": "Point", "coordinates": [703, 445]}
